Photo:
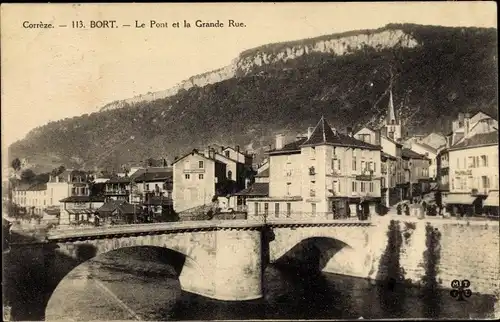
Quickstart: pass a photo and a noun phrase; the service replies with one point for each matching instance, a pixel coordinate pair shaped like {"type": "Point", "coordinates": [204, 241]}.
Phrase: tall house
{"type": "Point", "coordinates": [195, 178]}
{"type": "Point", "coordinates": [392, 122]}
{"type": "Point", "coordinates": [326, 174]}
{"type": "Point", "coordinates": [473, 173]}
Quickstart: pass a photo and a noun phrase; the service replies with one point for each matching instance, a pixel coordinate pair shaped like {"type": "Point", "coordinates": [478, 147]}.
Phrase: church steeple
{"type": "Point", "coordinates": [392, 122]}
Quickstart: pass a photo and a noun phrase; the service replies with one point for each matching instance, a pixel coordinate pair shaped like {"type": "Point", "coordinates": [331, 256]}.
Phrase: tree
{"type": "Point", "coordinates": [16, 164]}
{"type": "Point", "coordinates": [28, 176]}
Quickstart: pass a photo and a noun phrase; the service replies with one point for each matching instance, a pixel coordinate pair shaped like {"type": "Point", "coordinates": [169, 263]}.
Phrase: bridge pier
{"type": "Point", "coordinates": [232, 270]}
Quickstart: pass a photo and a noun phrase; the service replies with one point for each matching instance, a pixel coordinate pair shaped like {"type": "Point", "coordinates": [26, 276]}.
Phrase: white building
{"type": "Point", "coordinates": [473, 173]}
{"type": "Point", "coordinates": [327, 175]}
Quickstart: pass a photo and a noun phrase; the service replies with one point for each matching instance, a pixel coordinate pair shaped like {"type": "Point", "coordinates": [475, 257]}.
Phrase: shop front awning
{"type": "Point", "coordinates": [492, 199]}
{"type": "Point", "coordinates": [458, 199]}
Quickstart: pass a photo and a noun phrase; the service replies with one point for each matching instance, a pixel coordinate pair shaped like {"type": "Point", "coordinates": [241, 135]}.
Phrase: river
{"type": "Point", "coordinates": [140, 284]}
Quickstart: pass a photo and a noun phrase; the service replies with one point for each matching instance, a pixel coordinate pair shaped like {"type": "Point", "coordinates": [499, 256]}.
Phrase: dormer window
{"type": "Point", "coordinates": [226, 154]}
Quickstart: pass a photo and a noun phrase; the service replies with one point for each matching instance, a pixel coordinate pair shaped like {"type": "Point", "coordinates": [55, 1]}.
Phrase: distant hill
{"type": "Point", "coordinates": [285, 87]}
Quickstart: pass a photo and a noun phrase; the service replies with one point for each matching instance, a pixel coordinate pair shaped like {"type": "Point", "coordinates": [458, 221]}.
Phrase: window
{"type": "Point", "coordinates": [313, 208]}
{"type": "Point", "coordinates": [374, 166]}
{"type": "Point", "coordinates": [187, 176]}
{"type": "Point", "coordinates": [288, 188]}
{"type": "Point", "coordinates": [486, 181]}
{"type": "Point", "coordinates": [362, 187]}
{"type": "Point", "coordinates": [276, 209]}
{"type": "Point", "coordinates": [484, 160]}
{"type": "Point", "coordinates": [371, 186]}
{"type": "Point", "coordinates": [354, 186]}
{"type": "Point", "coordinates": [288, 209]}
{"type": "Point", "coordinates": [226, 154]}
{"type": "Point", "coordinates": [200, 176]}
{"type": "Point", "coordinates": [266, 209]}
{"type": "Point", "coordinates": [354, 163]}
{"type": "Point", "coordinates": [146, 186]}
{"type": "Point", "coordinates": [229, 175]}
{"type": "Point", "coordinates": [340, 168]}
{"type": "Point", "coordinates": [363, 166]}
{"type": "Point", "coordinates": [256, 205]}
{"type": "Point", "coordinates": [200, 164]}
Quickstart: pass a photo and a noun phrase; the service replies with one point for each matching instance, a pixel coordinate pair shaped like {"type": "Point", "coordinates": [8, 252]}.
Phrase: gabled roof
{"type": "Point", "coordinates": [324, 135]}
{"type": "Point", "coordinates": [193, 152]}
{"type": "Point", "coordinates": [257, 189]}
{"type": "Point", "coordinates": [481, 139]}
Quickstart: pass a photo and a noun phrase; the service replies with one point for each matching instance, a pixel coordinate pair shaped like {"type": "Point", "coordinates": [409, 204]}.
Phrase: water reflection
{"type": "Point", "coordinates": [148, 285]}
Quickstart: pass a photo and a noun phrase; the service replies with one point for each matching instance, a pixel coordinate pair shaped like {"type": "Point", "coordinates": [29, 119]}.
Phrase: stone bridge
{"type": "Point", "coordinates": [223, 260]}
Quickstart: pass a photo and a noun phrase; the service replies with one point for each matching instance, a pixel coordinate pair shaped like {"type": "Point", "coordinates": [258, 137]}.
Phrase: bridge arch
{"type": "Point", "coordinates": [340, 250]}
{"type": "Point", "coordinates": [183, 266]}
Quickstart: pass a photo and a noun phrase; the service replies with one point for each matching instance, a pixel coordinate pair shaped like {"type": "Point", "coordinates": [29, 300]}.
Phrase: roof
{"type": "Point", "coordinates": [194, 151]}
{"type": "Point", "coordinates": [119, 180]}
{"type": "Point", "coordinates": [477, 140]}
{"type": "Point", "coordinates": [24, 187]}
{"type": "Point", "coordinates": [83, 199]}
{"type": "Point", "coordinates": [38, 187]}
{"type": "Point", "coordinates": [147, 176]}
{"type": "Point", "coordinates": [407, 153]}
{"type": "Point", "coordinates": [264, 173]}
{"type": "Point", "coordinates": [257, 189]}
{"type": "Point", "coordinates": [120, 205]}
{"type": "Point", "coordinates": [290, 147]}
{"type": "Point", "coordinates": [324, 135]}
{"type": "Point", "coordinates": [426, 146]}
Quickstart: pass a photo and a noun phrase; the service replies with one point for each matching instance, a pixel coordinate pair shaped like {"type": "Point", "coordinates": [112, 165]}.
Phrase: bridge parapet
{"type": "Point", "coordinates": [155, 228]}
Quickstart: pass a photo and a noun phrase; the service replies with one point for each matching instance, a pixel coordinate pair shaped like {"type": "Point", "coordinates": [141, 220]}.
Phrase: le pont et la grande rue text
{"type": "Point", "coordinates": [152, 24]}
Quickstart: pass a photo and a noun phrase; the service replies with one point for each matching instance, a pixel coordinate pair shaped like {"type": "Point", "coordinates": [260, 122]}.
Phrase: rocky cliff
{"type": "Point", "coordinates": [248, 61]}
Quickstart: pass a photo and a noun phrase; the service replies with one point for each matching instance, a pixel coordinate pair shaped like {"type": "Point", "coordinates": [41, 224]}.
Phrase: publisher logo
{"type": "Point", "coordinates": [460, 290]}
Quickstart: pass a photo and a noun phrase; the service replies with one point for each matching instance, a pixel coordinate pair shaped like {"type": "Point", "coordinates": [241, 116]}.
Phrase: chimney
{"type": "Point", "coordinates": [466, 124]}
{"type": "Point", "coordinates": [279, 141]}
{"type": "Point", "coordinates": [206, 152]}
{"type": "Point", "coordinates": [237, 148]}
{"type": "Point", "coordinates": [349, 131]}
{"type": "Point", "coordinates": [334, 130]}
{"type": "Point", "coordinates": [221, 148]}
{"type": "Point", "coordinates": [309, 131]}
{"type": "Point", "coordinates": [211, 153]}
{"type": "Point", "coordinates": [460, 119]}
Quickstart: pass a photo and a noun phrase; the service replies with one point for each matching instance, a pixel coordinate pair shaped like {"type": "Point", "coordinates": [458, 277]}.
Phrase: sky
{"type": "Point", "coordinates": [51, 74]}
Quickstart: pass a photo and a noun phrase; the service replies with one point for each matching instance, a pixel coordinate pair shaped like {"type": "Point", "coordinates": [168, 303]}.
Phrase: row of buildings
{"type": "Point", "coordinates": [323, 172]}
{"type": "Point", "coordinates": [328, 174]}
